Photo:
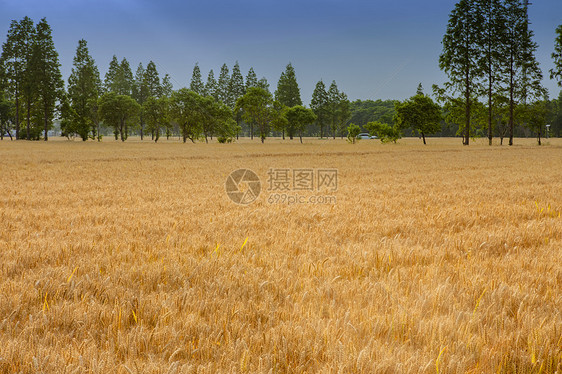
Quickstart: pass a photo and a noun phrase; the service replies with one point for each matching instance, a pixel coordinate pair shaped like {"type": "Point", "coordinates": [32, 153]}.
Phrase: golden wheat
{"type": "Point", "coordinates": [131, 258]}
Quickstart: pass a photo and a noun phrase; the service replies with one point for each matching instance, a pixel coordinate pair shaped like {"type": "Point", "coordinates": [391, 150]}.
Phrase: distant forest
{"type": "Point", "coordinates": [494, 90]}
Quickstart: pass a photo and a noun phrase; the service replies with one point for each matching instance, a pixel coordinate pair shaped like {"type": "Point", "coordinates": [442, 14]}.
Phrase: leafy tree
{"type": "Point", "coordinates": [257, 108]}
{"type": "Point", "coordinates": [119, 77]}
{"type": "Point", "coordinates": [280, 122]}
{"type": "Point", "coordinates": [288, 92]}
{"type": "Point", "coordinates": [223, 83]}
{"type": "Point", "coordinates": [339, 109]}
{"type": "Point", "coordinates": [119, 111]}
{"type": "Point", "coordinates": [385, 132]}
{"type": "Point", "coordinates": [352, 132]}
{"type": "Point", "coordinates": [251, 79]}
{"type": "Point", "coordinates": [419, 113]}
{"type": "Point", "coordinates": [211, 85]}
{"type": "Point", "coordinates": [196, 84]}
{"type": "Point", "coordinates": [320, 106]}
{"type": "Point", "coordinates": [535, 116]}
{"type": "Point", "coordinates": [184, 110]}
{"type": "Point", "coordinates": [556, 72]}
{"type": "Point", "coordinates": [461, 55]}
{"type": "Point", "coordinates": [216, 118]}
{"type": "Point", "coordinates": [46, 74]}
{"type": "Point", "coordinates": [157, 113]}
{"type": "Point", "coordinates": [236, 86]}
{"type": "Point", "coordinates": [299, 117]}
{"type": "Point", "coordinates": [84, 86]}
{"type": "Point", "coordinates": [16, 53]}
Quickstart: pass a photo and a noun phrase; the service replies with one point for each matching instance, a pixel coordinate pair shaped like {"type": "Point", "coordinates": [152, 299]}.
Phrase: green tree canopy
{"type": "Point", "coordinates": [119, 111]}
{"type": "Point", "coordinates": [257, 108]}
{"type": "Point", "coordinates": [556, 71]}
{"type": "Point", "coordinates": [299, 117]}
{"type": "Point", "coordinates": [419, 113]}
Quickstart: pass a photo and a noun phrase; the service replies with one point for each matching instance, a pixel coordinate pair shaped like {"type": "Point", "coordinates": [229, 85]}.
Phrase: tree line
{"type": "Point", "coordinates": [494, 89]}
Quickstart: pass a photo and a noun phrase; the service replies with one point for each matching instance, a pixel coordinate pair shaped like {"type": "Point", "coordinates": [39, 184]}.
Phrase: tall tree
{"type": "Point", "coordinates": [196, 84]}
{"type": "Point", "coordinates": [288, 92]}
{"type": "Point", "coordinates": [236, 86]}
{"type": "Point", "coordinates": [140, 94]}
{"type": "Point", "coordinates": [46, 74]}
{"type": "Point", "coordinates": [16, 53]}
{"type": "Point", "coordinates": [251, 79]}
{"type": "Point", "coordinates": [223, 92]}
{"type": "Point", "coordinates": [319, 105]}
{"type": "Point", "coordinates": [84, 86]}
{"type": "Point", "coordinates": [523, 73]}
{"type": "Point", "coordinates": [167, 86]}
{"type": "Point", "coordinates": [461, 55]}
{"type": "Point", "coordinates": [109, 83]}
{"type": "Point", "coordinates": [125, 78]}
{"type": "Point", "coordinates": [339, 109]}
{"type": "Point", "coordinates": [152, 80]}
{"type": "Point", "coordinates": [556, 72]}
{"type": "Point", "coordinates": [492, 59]}
{"type": "Point", "coordinates": [419, 113]}
{"type": "Point", "coordinates": [211, 85]}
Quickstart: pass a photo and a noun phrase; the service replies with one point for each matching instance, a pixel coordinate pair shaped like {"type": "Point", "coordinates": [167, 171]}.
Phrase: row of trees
{"type": "Point", "coordinates": [488, 52]}
{"type": "Point", "coordinates": [489, 55]}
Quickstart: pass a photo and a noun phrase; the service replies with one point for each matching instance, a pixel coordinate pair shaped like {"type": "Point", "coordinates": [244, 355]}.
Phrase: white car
{"type": "Point", "coordinates": [365, 135]}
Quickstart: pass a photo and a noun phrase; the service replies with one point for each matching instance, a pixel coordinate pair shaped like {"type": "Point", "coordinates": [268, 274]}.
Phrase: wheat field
{"type": "Point", "coordinates": [130, 258]}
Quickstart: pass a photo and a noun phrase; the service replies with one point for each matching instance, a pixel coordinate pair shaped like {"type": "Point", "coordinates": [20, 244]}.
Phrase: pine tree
{"type": "Point", "coordinates": [84, 86]}
{"type": "Point", "coordinates": [196, 84]}
{"type": "Point", "coordinates": [223, 82]}
{"type": "Point", "coordinates": [46, 75]}
{"type": "Point", "coordinates": [334, 98]}
{"type": "Point", "coordinates": [140, 93]}
{"type": "Point", "coordinates": [288, 92]}
{"type": "Point", "coordinates": [167, 87]}
{"type": "Point", "coordinates": [125, 78]}
{"type": "Point", "coordinates": [211, 85]}
{"type": "Point", "coordinates": [109, 84]}
{"type": "Point", "coordinates": [251, 79]}
{"type": "Point", "coordinates": [319, 104]}
{"type": "Point", "coordinates": [236, 87]}
{"type": "Point", "coordinates": [152, 81]}
{"type": "Point", "coordinates": [263, 84]}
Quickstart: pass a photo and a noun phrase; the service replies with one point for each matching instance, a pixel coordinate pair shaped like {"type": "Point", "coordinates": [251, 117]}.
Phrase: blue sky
{"type": "Point", "coordinates": [372, 49]}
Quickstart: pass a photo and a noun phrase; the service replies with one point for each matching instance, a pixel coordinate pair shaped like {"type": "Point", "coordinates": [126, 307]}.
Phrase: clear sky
{"type": "Point", "coordinates": [373, 49]}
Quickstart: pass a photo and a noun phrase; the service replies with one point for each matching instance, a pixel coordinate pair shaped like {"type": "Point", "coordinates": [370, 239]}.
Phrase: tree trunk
{"type": "Point", "coordinates": [423, 136]}
{"type": "Point", "coordinates": [28, 120]}
{"type": "Point", "coordinates": [46, 123]}
{"type": "Point", "coordinates": [511, 99]}
{"type": "Point", "coordinates": [17, 117]}
{"type": "Point", "coordinates": [490, 107]}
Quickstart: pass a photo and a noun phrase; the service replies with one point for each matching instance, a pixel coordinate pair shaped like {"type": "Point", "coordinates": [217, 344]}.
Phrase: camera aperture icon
{"type": "Point", "coordinates": [243, 186]}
